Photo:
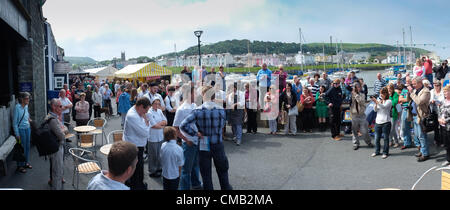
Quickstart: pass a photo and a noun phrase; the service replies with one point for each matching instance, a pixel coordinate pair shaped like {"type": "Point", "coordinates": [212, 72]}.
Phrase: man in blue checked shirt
{"type": "Point", "coordinates": [209, 119]}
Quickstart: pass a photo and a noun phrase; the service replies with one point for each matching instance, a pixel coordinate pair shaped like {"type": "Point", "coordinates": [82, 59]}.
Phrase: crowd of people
{"type": "Point", "coordinates": [179, 127]}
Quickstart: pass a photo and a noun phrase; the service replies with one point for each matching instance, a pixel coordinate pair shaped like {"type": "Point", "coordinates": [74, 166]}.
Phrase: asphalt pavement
{"type": "Point", "coordinates": [308, 161]}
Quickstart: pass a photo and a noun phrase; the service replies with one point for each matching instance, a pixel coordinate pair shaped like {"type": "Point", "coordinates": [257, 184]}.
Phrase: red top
{"type": "Point", "coordinates": [428, 66]}
{"type": "Point", "coordinates": [69, 95]}
{"type": "Point", "coordinates": [307, 105]}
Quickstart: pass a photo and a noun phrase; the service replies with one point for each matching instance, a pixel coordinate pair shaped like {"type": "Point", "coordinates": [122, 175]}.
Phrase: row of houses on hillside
{"type": "Point", "coordinates": [251, 60]}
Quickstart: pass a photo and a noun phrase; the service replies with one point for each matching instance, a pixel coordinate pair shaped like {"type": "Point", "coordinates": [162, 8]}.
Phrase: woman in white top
{"type": "Point", "coordinates": [419, 69]}
{"type": "Point", "coordinates": [436, 100]}
{"type": "Point", "coordinates": [383, 125]}
{"type": "Point", "coordinates": [157, 122]}
{"type": "Point", "coordinates": [271, 111]}
{"type": "Point", "coordinates": [97, 98]}
{"type": "Point", "coordinates": [82, 108]}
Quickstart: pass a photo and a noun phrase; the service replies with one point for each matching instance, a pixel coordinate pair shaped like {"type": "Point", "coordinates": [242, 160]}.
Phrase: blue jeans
{"type": "Point", "coordinates": [217, 153]}
{"type": "Point", "coordinates": [237, 132]}
{"type": "Point", "coordinates": [25, 140]}
{"type": "Point", "coordinates": [420, 138]}
{"type": "Point", "coordinates": [190, 172]}
{"type": "Point", "coordinates": [273, 126]}
{"type": "Point", "coordinates": [430, 78]}
{"type": "Point", "coordinates": [385, 129]}
{"type": "Point", "coordinates": [406, 128]}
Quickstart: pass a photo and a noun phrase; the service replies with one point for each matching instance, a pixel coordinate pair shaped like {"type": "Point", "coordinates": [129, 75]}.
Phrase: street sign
{"type": "Point", "coordinates": [26, 87]}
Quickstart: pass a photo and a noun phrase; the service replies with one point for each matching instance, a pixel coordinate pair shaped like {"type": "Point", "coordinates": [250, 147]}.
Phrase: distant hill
{"type": "Point", "coordinates": [80, 60]}
{"type": "Point", "coordinates": [238, 47]}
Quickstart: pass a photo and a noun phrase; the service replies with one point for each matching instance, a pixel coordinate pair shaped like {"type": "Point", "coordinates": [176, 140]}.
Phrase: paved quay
{"type": "Point", "coordinates": [311, 161]}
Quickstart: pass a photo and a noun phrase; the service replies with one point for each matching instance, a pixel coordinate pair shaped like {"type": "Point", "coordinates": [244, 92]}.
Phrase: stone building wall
{"type": "Point", "coordinates": [31, 67]}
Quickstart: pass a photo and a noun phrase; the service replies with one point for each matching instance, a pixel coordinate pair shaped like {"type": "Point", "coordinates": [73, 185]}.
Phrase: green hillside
{"type": "Point", "coordinates": [80, 60]}
{"type": "Point", "coordinates": [237, 47]}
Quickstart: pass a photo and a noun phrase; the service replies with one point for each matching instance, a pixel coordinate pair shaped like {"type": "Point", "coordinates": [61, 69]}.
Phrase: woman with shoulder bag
{"type": "Point", "coordinates": [289, 99]}
{"type": "Point", "coordinates": [436, 99]}
{"type": "Point", "coordinates": [22, 130]}
{"type": "Point", "coordinates": [444, 123]}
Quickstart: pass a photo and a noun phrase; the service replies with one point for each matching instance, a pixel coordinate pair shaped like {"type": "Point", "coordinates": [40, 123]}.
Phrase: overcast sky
{"type": "Point", "coordinates": [101, 29]}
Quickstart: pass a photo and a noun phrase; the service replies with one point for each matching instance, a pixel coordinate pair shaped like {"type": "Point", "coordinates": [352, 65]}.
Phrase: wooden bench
{"type": "Point", "coordinates": [5, 150]}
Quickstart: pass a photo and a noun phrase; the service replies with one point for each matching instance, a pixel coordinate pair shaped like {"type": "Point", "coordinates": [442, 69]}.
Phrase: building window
{"type": "Point", "coordinates": [59, 82]}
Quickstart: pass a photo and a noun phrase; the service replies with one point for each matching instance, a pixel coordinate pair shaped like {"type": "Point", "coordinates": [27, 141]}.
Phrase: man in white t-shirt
{"type": "Point", "coordinates": [66, 106]}
{"type": "Point", "coordinates": [190, 172]}
{"type": "Point", "coordinates": [136, 130]}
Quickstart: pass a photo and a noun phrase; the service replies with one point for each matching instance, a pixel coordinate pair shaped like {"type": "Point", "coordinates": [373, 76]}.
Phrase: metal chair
{"type": "Point", "coordinates": [66, 144]}
{"type": "Point", "coordinates": [100, 124]}
{"type": "Point", "coordinates": [87, 142]}
{"type": "Point", "coordinates": [116, 136]}
{"type": "Point", "coordinates": [83, 165]}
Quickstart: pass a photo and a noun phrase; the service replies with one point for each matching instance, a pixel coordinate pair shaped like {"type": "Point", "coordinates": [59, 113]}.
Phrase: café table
{"type": "Point", "coordinates": [105, 149]}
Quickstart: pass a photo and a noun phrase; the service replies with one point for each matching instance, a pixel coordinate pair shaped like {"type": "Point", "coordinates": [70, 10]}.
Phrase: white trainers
{"type": "Point", "coordinates": [374, 154]}
{"type": "Point", "coordinates": [446, 163]}
{"type": "Point", "coordinates": [384, 156]}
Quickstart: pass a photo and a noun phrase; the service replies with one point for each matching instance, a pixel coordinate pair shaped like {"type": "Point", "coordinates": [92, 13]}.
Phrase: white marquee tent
{"type": "Point", "coordinates": [102, 73]}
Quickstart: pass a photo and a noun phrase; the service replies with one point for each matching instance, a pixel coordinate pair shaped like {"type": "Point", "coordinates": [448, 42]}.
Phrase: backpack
{"type": "Point", "coordinates": [45, 140]}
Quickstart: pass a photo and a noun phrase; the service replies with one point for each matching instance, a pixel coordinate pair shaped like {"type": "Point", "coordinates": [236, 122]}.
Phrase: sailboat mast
{"type": "Point", "coordinates": [412, 61]}
{"type": "Point", "coordinates": [301, 49]}
{"type": "Point", "coordinates": [398, 54]}
{"type": "Point", "coordinates": [323, 60]}
{"type": "Point", "coordinates": [404, 49]}
{"type": "Point", "coordinates": [337, 55]}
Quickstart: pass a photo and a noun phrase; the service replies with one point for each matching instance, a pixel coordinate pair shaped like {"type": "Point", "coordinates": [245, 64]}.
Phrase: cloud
{"type": "Point", "coordinates": [102, 28]}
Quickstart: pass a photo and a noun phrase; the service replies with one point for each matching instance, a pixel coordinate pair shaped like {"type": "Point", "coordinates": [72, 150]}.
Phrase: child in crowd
{"type": "Point", "coordinates": [172, 159]}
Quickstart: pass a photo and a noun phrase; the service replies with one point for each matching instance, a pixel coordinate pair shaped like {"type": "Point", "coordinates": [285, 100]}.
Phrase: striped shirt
{"type": "Point", "coordinates": [314, 88]}
{"type": "Point", "coordinates": [378, 85]}
{"type": "Point", "coordinates": [209, 119]}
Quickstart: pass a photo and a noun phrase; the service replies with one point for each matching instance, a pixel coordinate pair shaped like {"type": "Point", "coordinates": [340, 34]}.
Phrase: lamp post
{"type": "Point", "coordinates": [198, 34]}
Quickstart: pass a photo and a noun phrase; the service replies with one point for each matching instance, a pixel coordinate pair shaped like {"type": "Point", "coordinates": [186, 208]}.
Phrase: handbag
{"type": "Point", "coordinates": [18, 151]}
{"type": "Point", "coordinates": [429, 122]}
{"type": "Point", "coordinates": [300, 106]}
{"type": "Point", "coordinates": [282, 119]}
{"type": "Point", "coordinates": [293, 111]}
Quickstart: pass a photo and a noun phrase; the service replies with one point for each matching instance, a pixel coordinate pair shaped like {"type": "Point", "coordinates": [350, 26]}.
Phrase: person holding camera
{"type": "Point", "coordinates": [442, 70]}
{"type": "Point", "coordinates": [428, 64]}
{"type": "Point", "coordinates": [359, 122]}
{"type": "Point", "coordinates": [420, 95]}
{"type": "Point", "coordinates": [382, 122]}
